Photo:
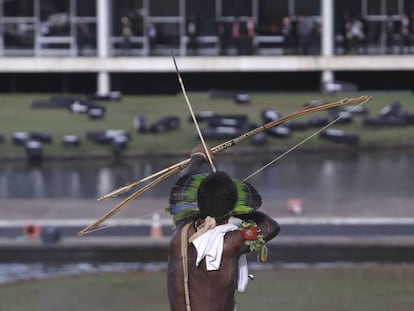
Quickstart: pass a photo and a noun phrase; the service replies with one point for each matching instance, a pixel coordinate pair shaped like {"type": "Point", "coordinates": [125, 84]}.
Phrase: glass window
{"type": "Point", "coordinates": [237, 8]}
{"type": "Point", "coordinates": [343, 11]}
{"type": "Point", "coordinates": [86, 8]}
{"type": "Point", "coordinates": [131, 9]}
{"type": "Point", "coordinates": [49, 8]}
{"type": "Point", "coordinates": [164, 8]}
{"type": "Point", "coordinates": [306, 7]}
{"type": "Point", "coordinates": [18, 35]}
{"type": "Point", "coordinates": [392, 7]}
{"type": "Point", "coordinates": [85, 37]}
{"type": "Point", "coordinates": [18, 8]}
{"type": "Point", "coordinates": [271, 13]}
{"type": "Point", "coordinates": [167, 34]}
{"type": "Point", "coordinates": [54, 17]}
{"type": "Point", "coordinates": [374, 7]}
{"type": "Point", "coordinates": [204, 13]}
{"type": "Point", "coordinates": [372, 31]}
{"type": "Point", "coordinates": [409, 6]}
{"type": "Point", "coordinates": [348, 8]}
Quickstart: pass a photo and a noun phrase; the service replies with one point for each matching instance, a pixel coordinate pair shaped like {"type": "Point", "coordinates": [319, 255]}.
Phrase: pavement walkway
{"type": "Point", "coordinates": [365, 235]}
{"type": "Point", "coordinates": [144, 208]}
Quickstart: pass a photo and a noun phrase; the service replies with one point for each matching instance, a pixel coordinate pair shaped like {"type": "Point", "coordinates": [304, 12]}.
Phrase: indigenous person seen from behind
{"type": "Point", "coordinates": [193, 286]}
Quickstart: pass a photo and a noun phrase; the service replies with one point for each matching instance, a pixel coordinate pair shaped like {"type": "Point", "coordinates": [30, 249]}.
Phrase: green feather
{"type": "Point", "coordinates": [185, 213]}
{"type": "Point", "coordinates": [248, 198]}
{"type": "Point", "coordinates": [185, 189]}
{"type": "Point", "coordinates": [184, 192]}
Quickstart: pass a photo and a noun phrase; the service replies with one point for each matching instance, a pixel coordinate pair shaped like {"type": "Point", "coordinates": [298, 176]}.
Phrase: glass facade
{"type": "Point", "coordinates": [216, 27]}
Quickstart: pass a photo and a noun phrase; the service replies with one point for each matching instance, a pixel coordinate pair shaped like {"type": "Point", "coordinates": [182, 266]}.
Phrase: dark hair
{"type": "Point", "coordinates": [217, 195]}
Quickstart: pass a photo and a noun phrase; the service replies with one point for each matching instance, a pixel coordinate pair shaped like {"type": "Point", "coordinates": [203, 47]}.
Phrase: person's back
{"type": "Point", "coordinates": [208, 290]}
{"type": "Point", "coordinates": [206, 252]}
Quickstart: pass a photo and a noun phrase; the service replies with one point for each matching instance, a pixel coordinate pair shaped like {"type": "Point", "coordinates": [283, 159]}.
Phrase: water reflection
{"type": "Point", "coordinates": [332, 176]}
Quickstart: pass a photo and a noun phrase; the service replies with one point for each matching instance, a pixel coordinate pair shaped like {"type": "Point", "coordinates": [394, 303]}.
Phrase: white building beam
{"type": "Point", "coordinates": [103, 34]}
{"type": "Point", "coordinates": [327, 40]}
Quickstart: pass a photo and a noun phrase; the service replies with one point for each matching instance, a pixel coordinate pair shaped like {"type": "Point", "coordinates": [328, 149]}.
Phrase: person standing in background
{"type": "Point", "coordinates": [304, 30]}
{"type": "Point", "coordinates": [355, 35]}
{"type": "Point", "coordinates": [287, 33]}
{"type": "Point", "coordinates": [251, 33]}
{"type": "Point", "coordinates": [235, 34]}
{"type": "Point", "coordinates": [126, 36]}
{"type": "Point", "coordinates": [405, 34]}
{"type": "Point", "coordinates": [152, 37]}
{"type": "Point", "coordinates": [192, 35]}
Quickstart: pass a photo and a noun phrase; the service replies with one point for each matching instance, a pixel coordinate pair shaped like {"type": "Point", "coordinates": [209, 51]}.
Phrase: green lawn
{"type": "Point", "coordinates": [352, 288]}
{"type": "Point", "coordinates": [16, 114]}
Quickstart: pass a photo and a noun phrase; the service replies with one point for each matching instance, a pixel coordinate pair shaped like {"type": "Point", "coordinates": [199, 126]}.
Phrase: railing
{"type": "Point", "coordinates": [268, 45]}
{"type": "Point", "coordinates": [56, 46]}
{"type": "Point", "coordinates": [139, 46]}
{"type": "Point", "coordinates": [205, 46]}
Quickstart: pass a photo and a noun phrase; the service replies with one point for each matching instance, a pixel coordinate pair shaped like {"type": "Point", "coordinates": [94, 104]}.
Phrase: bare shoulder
{"type": "Point", "coordinates": [233, 241]}
{"type": "Point", "coordinates": [176, 237]}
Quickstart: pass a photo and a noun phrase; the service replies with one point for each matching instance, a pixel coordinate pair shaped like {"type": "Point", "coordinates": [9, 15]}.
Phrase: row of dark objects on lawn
{"type": "Point", "coordinates": [23, 138]}
{"type": "Point", "coordinates": [96, 111]}
{"type": "Point", "coordinates": [391, 115]}
{"type": "Point", "coordinates": [33, 142]}
{"type": "Point", "coordinates": [118, 139]}
{"type": "Point", "coordinates": [73, 105]}
{"type": "Point", "coordinates": [171, 122]}
{"type": "Point", "coordinates": [221, 127]}
{"type": "Point", "coordinates": [162, 125]}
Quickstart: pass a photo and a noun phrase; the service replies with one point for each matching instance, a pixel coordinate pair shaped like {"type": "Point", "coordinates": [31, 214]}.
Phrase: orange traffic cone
{"type": "Point", "coordinates": [156, 230]}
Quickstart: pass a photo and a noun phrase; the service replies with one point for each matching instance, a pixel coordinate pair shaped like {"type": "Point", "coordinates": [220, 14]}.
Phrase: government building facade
{"type": "Point", "coordinates": [127, 45]}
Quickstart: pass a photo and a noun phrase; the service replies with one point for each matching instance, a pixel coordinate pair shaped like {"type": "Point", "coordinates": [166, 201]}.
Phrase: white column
{"type": "Point", "coordinates": [327, 8]}
{"type": "Point", "coordinates": [327, 33]}
{"type": "Point", "coordinates": [104, 83]}
{"type": "Point", "coordinates": [327, 77]}
{"type": "Point", "coordinates": [103, 34]}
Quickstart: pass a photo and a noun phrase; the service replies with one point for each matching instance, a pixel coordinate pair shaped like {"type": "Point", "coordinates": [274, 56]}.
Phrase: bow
{"type": "Point", "coordinates": [190, 108]}
{"type": "Point", "coordinates": [175, 168]}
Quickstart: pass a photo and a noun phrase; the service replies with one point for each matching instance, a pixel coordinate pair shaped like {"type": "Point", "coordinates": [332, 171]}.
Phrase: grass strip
{"type": "Point", "coordinates": [346, 288]}
{"type": "Point", "coordinates": [16, 114]}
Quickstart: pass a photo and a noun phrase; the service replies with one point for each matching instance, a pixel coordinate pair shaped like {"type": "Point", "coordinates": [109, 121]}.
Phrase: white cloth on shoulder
{"type": "Point", "coordinates": [210, 246]}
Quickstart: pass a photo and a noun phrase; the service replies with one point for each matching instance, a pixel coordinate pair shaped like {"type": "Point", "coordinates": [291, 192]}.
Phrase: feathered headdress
{"type": "Point", "coordinates": [183, 197]}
